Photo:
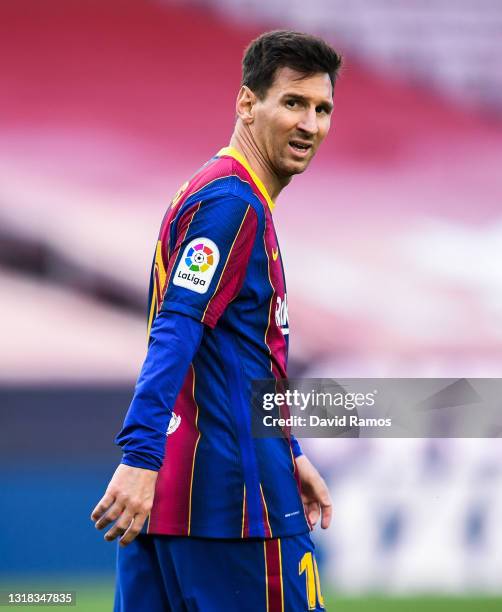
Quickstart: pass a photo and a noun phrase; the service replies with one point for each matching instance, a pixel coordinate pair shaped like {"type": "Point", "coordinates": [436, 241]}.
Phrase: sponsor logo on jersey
{"type": "Point", "coordinates": [281, 314]}
{"type": "Point", "coordinates": [197, 265]}
{"type": "Point", "coordinates": [275, 254]}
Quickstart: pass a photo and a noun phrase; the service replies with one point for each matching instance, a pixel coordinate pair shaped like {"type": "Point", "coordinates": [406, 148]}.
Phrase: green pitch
{"type": "Point", "coordinates": [101, 601]}
{"type": "Point", "coordinates": [413, 604]}
{"type": "Point", "coordinates": [98, 597]}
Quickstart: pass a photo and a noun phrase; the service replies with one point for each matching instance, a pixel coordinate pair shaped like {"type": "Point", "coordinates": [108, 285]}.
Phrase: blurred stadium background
{"type": "Point", "coordinates": [392, 242]}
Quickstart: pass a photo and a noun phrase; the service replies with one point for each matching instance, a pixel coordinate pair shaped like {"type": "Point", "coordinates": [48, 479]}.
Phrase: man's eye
{"type": "Point", "coordinates": [291, 103]}
{"type": "Point", "coordinates": [321, 110]}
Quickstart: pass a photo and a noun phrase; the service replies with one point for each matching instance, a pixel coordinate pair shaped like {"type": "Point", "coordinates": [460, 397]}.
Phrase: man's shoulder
{"type": "Point", "coordinates": [219, 181]}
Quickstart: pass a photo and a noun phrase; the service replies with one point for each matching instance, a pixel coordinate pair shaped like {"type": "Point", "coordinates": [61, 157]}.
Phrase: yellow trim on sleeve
{"type": "Point", "coordinates": [231, 152]}
{"type": "Point", "coordinates": [194, 451]}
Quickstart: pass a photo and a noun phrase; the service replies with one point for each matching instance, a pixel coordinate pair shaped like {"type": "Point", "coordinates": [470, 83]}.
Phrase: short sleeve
{"type": "Point", "coordinates": [208, 264]}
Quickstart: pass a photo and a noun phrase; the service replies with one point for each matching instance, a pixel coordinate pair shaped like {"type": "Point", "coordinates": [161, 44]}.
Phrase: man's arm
{"type": "Point", "coordinates": [128, 499]}
{"type": "Point", "coordinates": [315, 493]}
{"type": "Point", "coordinates": [229, 224]}
{"type": "Point", "coordinates": [174, 340]}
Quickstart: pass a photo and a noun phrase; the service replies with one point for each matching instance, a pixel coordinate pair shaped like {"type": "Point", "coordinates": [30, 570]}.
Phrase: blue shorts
{"type": "Point", "coordinates": [157, 573]}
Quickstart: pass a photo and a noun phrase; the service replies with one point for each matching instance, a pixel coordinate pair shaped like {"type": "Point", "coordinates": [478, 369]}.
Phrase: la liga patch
{"type": "Point", "coordinates": [197, 265]}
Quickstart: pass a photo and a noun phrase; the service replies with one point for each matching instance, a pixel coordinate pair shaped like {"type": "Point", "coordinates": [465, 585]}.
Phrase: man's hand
{"type": "Point", "coordinates": [128, 498]}
{"type": "Point", "coordinates": [315, 494]}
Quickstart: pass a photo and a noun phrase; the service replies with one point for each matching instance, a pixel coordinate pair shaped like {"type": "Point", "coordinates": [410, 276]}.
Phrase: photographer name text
{"type": "Point", "coordinates": [346, 420]}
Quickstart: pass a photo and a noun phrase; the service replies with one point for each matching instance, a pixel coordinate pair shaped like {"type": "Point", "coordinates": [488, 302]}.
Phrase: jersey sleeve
{"type": "Point", "coordinates": [174, 340]}
{"type": "Point", "coordinates": [208, 263]}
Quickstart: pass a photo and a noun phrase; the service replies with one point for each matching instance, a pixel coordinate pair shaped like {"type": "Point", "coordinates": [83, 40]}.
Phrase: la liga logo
{"type": "Point", "coordinates": [197, 265]}
{"type": "Point", "coordinates": [199, 258]}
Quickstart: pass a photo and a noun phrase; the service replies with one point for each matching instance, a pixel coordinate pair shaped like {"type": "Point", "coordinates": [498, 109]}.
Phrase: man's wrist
{"type": "Point", "coordinates": [137, 460]}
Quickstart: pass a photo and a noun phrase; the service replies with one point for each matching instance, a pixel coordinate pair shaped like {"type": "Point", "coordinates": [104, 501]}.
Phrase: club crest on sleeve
{"type": "Point", "coordinates": [174, 423]}
{"type": "Point", "coordinates": [197, 265]}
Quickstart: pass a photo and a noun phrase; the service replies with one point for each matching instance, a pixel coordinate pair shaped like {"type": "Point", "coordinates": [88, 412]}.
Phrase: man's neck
{"type": "Point", "coordinates": [244, 143]}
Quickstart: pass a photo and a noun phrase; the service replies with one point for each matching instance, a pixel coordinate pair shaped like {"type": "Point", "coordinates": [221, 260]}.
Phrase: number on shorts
{"type": "Point", "coordinates": [308, 565]}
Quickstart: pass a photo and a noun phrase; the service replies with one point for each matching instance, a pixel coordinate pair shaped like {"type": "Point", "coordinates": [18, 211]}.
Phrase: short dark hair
{"type": "Point", "coordinates": [305, 53]}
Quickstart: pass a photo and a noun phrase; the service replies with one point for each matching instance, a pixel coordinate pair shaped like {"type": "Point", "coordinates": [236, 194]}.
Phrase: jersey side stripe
{"type": "Point", "coordinates": [244, 515]}
{"type": "Point", "coordinates": [267, 527]}
{"type": "Point", "coordinates": [233, 373]}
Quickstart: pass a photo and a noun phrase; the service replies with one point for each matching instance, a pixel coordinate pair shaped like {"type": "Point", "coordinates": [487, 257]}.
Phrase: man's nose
{"type": "Point", "coordinates": [308, 122]}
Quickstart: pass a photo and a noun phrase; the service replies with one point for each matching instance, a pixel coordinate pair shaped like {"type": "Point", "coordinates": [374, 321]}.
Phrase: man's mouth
{"type": "Point", "coordinates": [300, 147]}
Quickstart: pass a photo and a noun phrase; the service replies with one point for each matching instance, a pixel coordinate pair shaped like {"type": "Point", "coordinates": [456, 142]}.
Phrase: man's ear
{"type": "Point", "coordinates": [244, 106]}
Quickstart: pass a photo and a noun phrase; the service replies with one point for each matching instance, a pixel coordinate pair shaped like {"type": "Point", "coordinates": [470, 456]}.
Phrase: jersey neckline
{"type": "Point", "coordinates": [231, 152]}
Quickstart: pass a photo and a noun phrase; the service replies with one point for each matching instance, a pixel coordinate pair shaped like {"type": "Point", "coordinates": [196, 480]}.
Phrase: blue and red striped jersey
{"type": "Point", "coordinates": [218, 261]}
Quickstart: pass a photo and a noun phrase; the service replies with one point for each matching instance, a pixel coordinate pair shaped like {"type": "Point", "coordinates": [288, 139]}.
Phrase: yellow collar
{"type": "Point", "coordinates": [231, 152]}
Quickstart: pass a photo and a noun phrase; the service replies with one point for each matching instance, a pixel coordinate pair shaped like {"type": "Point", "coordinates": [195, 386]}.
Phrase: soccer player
{"type": "Point", "coordinates": [210, 518]}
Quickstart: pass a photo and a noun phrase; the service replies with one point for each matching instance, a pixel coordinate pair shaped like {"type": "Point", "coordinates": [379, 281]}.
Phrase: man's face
{"type": "Point", "coordinates": [292, 120]}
